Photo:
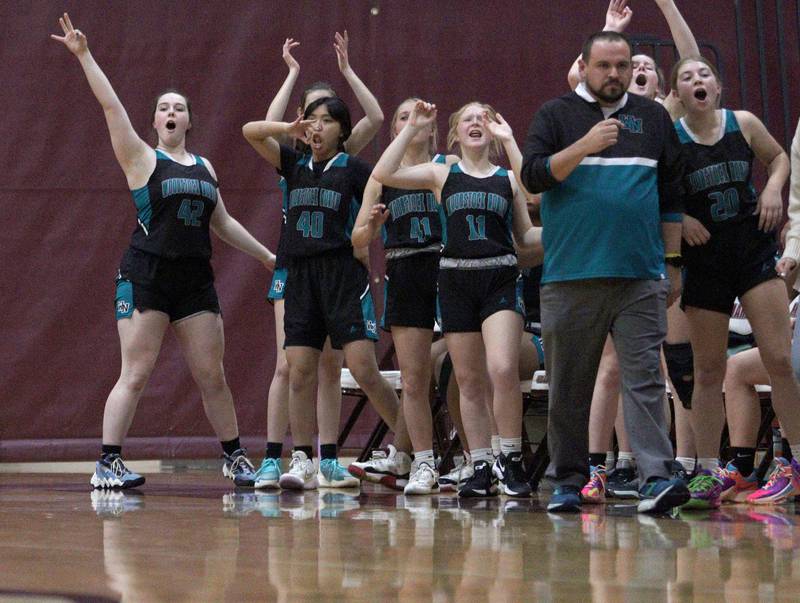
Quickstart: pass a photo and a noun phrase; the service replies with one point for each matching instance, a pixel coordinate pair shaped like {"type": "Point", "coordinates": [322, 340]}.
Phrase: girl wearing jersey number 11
{"type": "Point", "coordinates": [165, 276]}
{"type": "Point", "coordinates": [729, 251]}
{"type": "Point", "coordinates": [479, 283]}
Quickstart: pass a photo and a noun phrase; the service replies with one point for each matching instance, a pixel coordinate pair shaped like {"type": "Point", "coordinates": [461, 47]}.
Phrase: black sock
{"type": "Point", "coordinates": [744, 459]}
{"type": "Point", "coordinates": [327, 451]}
{"type": "Point", "coordinates": [306, 449]}
{"type": "Point", "coordinates": [597, 458]}
{"type": "Point", "coordinates": [231, 446]}
{"type": "Point", "coordinates": [108, 449]}
{"type": "Point", "coordinates": [787, 450]}
{"type": "Point", "coordinates": [274, 450]}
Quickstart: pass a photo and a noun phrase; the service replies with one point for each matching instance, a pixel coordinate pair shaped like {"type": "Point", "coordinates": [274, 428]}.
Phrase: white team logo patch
{"type": "Point", "coordinates": [123, 307]}
{"type": "Point", "coordinates": [372, 326]}
{"type": "Point", "coordinates": [278, 286]}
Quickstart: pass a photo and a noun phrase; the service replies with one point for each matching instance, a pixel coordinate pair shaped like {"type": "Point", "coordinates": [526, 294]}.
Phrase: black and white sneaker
{"type": "Point", "coordinates": [238, 468]}
{"type": "Point", "coordinates": [622, 482]}
{"type": "Point", "coordinates": [481, 484]}
{"type": "Point", "coordinates": [511, 474]}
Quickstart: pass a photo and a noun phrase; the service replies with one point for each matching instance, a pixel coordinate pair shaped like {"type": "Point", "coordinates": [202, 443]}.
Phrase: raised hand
{"type": "Point", "coordinates": [290, 61]}
{"type": "Point", "coordinates": [422, 114]}
{"type": "Point", "coordinates": [602, 136]}
{"type": "Point", "coordinates": [299, 128]}
{"type": "Point", "coordinates": [73, 38]}
{"type": "Point", "coordinates": [618, 16]}
{"type": "Point", "coordinates": [340, 43]}
{"type": "Point", "coordinates": [498, 128]}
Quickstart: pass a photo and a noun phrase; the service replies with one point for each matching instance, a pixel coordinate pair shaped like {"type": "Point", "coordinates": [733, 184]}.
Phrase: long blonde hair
{"type": "Point", "coordinates": [495, 147]}
{"type": "Point", "coordinates": [432, 139]}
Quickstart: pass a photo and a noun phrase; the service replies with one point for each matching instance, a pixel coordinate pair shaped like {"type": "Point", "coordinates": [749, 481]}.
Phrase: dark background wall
{"type": "Point", "coordinates": [66, 216]}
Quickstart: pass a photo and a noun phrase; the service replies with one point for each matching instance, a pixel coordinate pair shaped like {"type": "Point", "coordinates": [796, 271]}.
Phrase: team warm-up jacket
{"type": "Point", "coordinates": [604, 220]}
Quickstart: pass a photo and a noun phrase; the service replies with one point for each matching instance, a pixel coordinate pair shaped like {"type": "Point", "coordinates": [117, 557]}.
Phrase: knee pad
{"type": "Point", "coordinates": [680, 366]}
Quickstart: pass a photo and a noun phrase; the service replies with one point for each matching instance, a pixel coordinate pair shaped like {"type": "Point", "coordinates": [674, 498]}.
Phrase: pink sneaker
{"type": "Point", "coordinates": [595, 490]}
{"type": "Point", "coordinates": [783, 484]}
{"type": "Point", "coordinates": [735, 486]}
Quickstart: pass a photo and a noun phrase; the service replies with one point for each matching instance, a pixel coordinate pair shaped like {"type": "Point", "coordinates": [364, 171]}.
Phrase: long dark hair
{"type": "Point", "coordinates": [338, 110]}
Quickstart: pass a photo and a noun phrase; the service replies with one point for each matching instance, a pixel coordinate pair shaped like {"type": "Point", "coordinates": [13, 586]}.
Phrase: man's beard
{"type": "Point", "coordinates": [608, 98]}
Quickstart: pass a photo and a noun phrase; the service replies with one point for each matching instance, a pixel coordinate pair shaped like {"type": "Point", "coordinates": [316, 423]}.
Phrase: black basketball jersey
{"type": "Point", "coordinates": [413, 217]}
{"type": "Point", "coordinates": [718, 179]}
{"type": "Point", "coordinates": [322, 201]}
{"type": "Point", "coordinates": [476, 214]}
{"type": "Point", "coordinates": [174, 209]}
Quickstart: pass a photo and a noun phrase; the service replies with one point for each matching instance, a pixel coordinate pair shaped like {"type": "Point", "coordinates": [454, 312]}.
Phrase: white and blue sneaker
{"type": "Point", "coordinates": [424, 480]}
{"type": "Point", "coordinates": [301, 474]}
{"type": "Point", "coordinates": [238, 468]}
{"type": "Point", "coordinates": [268, 473]}
{"type": "Point", "coordinates": [332, 475]}
{"type": "Point", "coordinates": [111, 472]}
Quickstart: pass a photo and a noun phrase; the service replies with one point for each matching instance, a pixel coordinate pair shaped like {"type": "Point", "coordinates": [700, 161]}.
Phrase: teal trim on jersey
{"type": "Point", "coordinates": [162, 155]}
{"type": "Point", "coordinates": [537, 343]}
{"type": "Point", "coordinates": [547, 166]}
{"type": "Point", "coordinates": [439, 158]}
{"type": "Point", "coordinates": [284, 195]}
{"type": "Point", "coordinates": [520, 303]}
{"type": "Point", "coordinates": [384, 233]}
{"type": "Point", "coordinates": [683, 135]}
{"type": "Point", "coordinates": [144, 210]}
{"type": "Point", "coordinates": [443, 220]}
{"type": "Point", "coordinates": [351, 218]}
{"type": "Point", "coordinates": [278, 284]}
{"type": "Point", "coordinates": [455, 169]}
{"type": "Point", "coordinates": [501, 172]}
{"type": "Point", "coordinates": [731, 123]}
{"type": "Point", "coordinates": [603, 222]}
{"type": "Point", "coordinates": [368, 312]}
{"type": "Point", "coordinates": [123, 300]}
{"type": "Point", "coordinates": [341, 160]}
{"type": "Point", "coordinates": [671, 218]}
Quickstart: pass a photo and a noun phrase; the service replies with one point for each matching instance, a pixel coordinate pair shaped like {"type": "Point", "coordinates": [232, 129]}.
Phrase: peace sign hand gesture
{"type": "Point", "coordinates": [73, 38]}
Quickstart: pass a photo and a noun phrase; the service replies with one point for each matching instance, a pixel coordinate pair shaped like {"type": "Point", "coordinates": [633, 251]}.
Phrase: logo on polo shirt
{"type": "Point", "coordinates": [631, 123]}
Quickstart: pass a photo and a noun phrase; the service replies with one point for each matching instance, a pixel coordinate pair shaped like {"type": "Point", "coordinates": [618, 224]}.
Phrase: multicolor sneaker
{"type": "Point", "coordinates": [783, 484]}
{"type": "Point", "coordinates": [735, 486]}
{"type": "Point", "coordinates": [268, 473]}
{"type": "Point", "coordinates": [659, 495]}
{"type": "Point", "coordinates": [705, 489]}
{"type": "Point", "coordinates": [333, 475]}
{"type": "Point", "coordinates": [481, 484]}
{"type": "Point", "coordinates": [424, 480]}
{"type": "Point", "coordinates": [510, 472]}
{"type": "Point", "coordinates": [111, 472]}
{"type": "Point", "coordinates": [390, 469]}
{"type": "Point", "coordinates": [301, 474]}
{"type": "Point", "coordinates": [452, 481]}
{"type": "Point", "coordinates": [237, 467]}
{"type": "Point", "coordinates": [595, 489]}
{"type": "Point", "coordinates": [622, 482]}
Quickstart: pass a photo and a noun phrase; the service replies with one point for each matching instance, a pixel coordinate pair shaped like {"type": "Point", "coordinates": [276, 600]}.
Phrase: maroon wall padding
{"type": "Point", "coordinates": [66, 215]}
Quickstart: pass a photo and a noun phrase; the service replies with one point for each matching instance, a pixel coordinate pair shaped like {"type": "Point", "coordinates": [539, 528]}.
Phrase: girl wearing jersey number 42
{"type": "Point", "coordinates": [729, 251]}
{"type": "Point", "coordinates": [480, 293]}
{"type": "Point", "coordinates": [165, 276]}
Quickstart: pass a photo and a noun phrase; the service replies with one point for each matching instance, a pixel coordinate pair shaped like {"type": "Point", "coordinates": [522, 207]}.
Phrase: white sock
{"type": "Point", "coordinates": [687, 462]}
{"type": "Point", "coordinates": [482, 454]}
{"type": "Point", "coordinates": [610, 460]}
{"type": "Point", "coordinates": [496, 445]}
{"type": "Point", "coordinates": [625, 456]}
{"type": "Point", "coordinates": [709, 464]}
{"type": "Point", "coordinates": [424, 456]}
{"type": "Point", "coordinates": [510, 445]}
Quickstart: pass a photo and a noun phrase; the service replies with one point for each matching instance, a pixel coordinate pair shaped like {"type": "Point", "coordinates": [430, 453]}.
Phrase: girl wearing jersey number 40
{"type": "Point", "coordinates": [165, 276]}
{"type": "Point", "coordinates": [729, 251]}
{"type": "Point", "coordinates": [479, 288]}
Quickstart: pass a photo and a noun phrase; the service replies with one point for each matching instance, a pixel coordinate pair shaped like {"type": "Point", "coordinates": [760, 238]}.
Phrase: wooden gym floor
{"type": "Point", "coordinates": [186, 535]}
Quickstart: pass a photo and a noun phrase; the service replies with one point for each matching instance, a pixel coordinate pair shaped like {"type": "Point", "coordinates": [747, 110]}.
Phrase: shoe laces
{"type": "Point", "coordinates": [778, 472]}
{"type": "Point", "coordinates": [378, 455]}
{"type": "Point", "coordinates": [703, 482]}
{"type": "Point", "coordinates": [239, 462]}
{"type": "Point", "coordinates": [118, 468]}
{"type": "Point", "coordinates": [422, 470]}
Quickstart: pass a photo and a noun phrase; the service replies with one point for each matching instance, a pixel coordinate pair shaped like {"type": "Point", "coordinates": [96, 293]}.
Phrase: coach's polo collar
{"type": "Point", "coordinates": [584, 93]}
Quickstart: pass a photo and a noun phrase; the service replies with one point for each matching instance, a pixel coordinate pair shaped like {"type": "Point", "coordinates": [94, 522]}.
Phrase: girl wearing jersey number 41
{"type": "Point", "coordinates": [166, 277]}
{"type": "Point", "coordinates": [729, 251]}
{"type": "Point", "coordinates": [480, 293]}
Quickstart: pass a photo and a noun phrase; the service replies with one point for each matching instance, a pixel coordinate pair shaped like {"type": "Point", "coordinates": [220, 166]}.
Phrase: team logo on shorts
{"type": "Point", "coordinates": [278, 286]}
{"type": "Point", "coordinates": [372, 326]}
{"type": "Point", "coordinates": [123, 307]}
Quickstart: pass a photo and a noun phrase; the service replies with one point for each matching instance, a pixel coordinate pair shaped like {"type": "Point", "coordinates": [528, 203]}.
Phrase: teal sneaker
{"type": "Point", "coordinates": [333, 475]}
{"type": "Point", "coordinates": [268, 473]}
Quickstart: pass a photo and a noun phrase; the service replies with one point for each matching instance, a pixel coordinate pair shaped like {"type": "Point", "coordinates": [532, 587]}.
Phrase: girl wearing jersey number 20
{"type": "Point", "coordinates": [729, 251]}
{"type": "Point", "coordinates": [479, 289]}
{"type": "Point", "coordinates": [165, 276]}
